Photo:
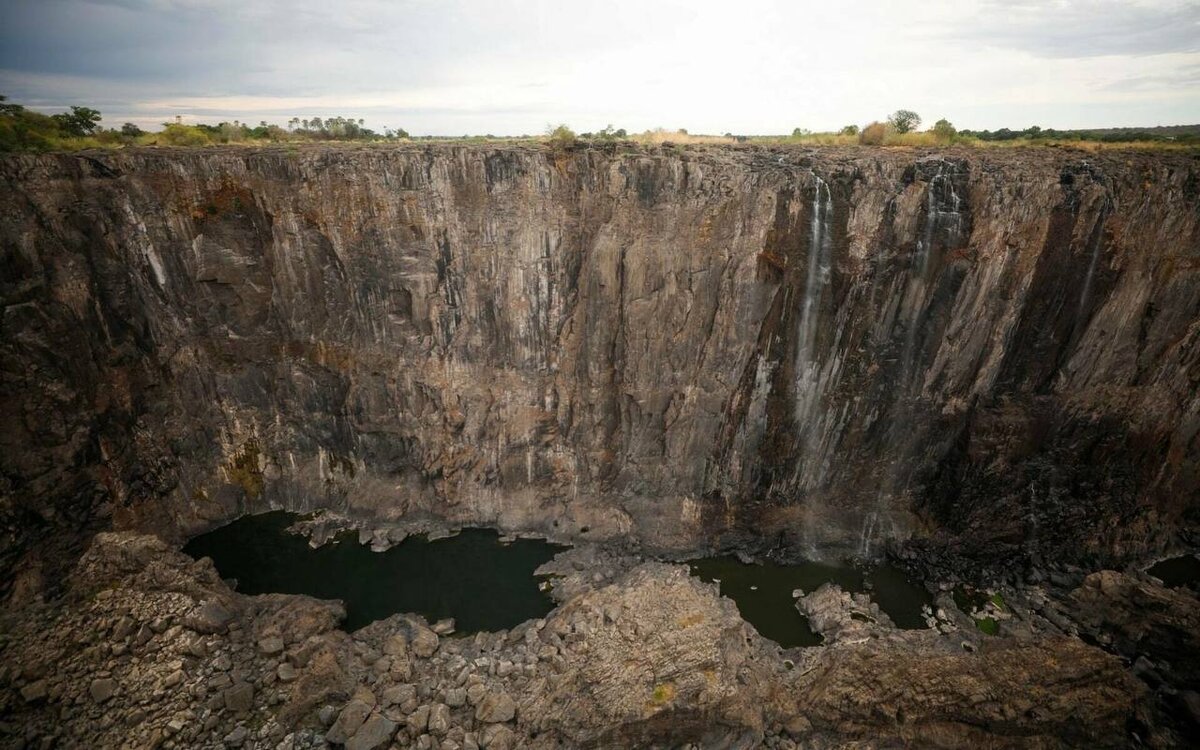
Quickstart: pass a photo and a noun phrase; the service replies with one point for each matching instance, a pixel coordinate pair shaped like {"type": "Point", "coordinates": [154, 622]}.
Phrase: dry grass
{"type": "Point", "coordinates": [825, 139]}
{"type": "Point", "coordinates": [660, 136]}
{"type": "Point", "coordinates": [927, 139]}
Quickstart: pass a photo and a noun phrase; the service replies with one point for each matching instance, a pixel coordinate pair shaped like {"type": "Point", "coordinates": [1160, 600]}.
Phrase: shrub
{"type": "Point", "coordinates": [849, 130]}
{"type": "Point", "coordinates": [24, 130]}
{"type": "Point", "coordinates": [873, 134]}
{"type": "Point", "coordinates": [230, 132]}
{"type": "Point", "coordinates": [560, 136]}
{"type": "Point", "coordinates": [175, 134]}
{"type": "Point", "coordinates": [943, 130]}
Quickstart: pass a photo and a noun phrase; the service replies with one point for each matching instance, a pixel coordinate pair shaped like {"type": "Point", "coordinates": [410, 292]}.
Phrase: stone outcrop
{"type": "Point", "coordinates": [655, 658]}
{"type": "Point", "coordinates": [995, 349]}
{"type": "Point", "coordinates": [930, 692]}
{"type": "Point", "coordinates": [1156, 630]}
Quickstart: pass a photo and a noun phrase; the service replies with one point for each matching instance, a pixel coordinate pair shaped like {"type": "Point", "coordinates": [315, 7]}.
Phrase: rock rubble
{"type": "Point", "coordinates": [151, 649]}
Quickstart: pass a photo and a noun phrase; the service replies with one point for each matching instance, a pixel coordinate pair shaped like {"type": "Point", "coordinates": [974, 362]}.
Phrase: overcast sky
{"type": "Point", "coordinates": [452, 67]}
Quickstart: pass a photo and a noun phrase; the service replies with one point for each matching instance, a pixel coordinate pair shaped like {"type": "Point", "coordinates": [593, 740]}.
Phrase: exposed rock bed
{"type": "Point", "coordinates": [149, 648]}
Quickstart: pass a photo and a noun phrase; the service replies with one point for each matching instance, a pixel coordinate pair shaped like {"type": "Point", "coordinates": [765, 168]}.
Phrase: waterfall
{"type": "Point", "coordinates": [808, 381]}
{"type": "Point", "coordinates": [1095, 248]}
{"type": "Point", "coordinates": [868, 531]}
{"type": "Point", "coordinates": [943, 215]}
{"type": "Point", "coordinates": [944, 222]}
{"type": "Point", "coordinates": [942, 212]}
{"type": "Point", "coordinates": [820, 264]}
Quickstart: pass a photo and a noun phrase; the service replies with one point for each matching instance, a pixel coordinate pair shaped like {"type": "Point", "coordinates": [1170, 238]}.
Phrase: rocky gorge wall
{"type": "Point", "coordinates": [994, 351]}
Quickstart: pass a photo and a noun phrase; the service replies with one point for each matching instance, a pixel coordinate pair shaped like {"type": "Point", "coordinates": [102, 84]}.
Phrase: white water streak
{"type": "Point", "coordinates": [820, 265]}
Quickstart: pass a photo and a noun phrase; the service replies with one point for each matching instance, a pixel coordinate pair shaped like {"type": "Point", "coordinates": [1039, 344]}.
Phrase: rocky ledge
{"type": "Point", "coordinates": [149, 648]}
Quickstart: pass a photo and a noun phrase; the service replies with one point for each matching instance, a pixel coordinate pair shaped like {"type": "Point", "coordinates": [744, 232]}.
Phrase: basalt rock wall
{"type": "Point", "coordinates": [997, 350]}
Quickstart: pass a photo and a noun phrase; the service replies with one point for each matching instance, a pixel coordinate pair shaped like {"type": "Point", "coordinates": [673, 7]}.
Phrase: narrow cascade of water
{"type": "Point", "coordinates": [820, 263]}
{"type": "Point", "coordinates": [808, 384]}
{"type": "Point", "coordinates": [1095, 251]}
{"type": "Point", "coordinates": [868, 531]}
{"type": "Point", "coordinates": [943, 216]}
{"type": "Point", "coordinates": [943, 221]}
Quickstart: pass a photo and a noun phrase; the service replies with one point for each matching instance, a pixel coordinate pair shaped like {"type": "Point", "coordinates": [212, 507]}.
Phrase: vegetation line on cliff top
{"type": "Point", "coordinates": [23, 129]}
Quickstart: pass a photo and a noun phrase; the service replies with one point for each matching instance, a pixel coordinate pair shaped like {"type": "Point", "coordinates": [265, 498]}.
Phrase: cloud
{"type": "Point", "coordinates": [1088, 28]}
{"type": "Point", "coordinates": [512, 66]}
{"type": "Point", "coordinates": [1182, 80]}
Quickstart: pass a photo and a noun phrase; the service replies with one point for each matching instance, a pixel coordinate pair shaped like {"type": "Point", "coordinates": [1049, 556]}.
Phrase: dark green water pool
{"type": "Point", "coordinates": [763, 593]}
{"type": "Point", "coordinates": [1177, 571]}
{"type": "Point", "coordinates": [483, 584]}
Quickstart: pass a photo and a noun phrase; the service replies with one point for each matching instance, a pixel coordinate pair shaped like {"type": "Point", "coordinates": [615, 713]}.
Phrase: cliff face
{"type": "Point", "coordinates": [998, 349]}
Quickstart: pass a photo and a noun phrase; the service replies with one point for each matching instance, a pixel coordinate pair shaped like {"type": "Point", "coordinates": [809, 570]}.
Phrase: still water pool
{"type": "Point", "coordinates": [483, 584]}
{"type": "Point", "coordinates": [1177, 571]}
{"type": "Point", "coordinates": [763, 593]}
{"type": "Point", "coordinates": [486, 585]}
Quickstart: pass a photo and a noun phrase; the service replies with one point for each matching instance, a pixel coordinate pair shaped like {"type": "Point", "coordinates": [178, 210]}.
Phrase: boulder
{"type": "Point", "coordinates": [34, 691]}
{"type": "Point", "coordinates": [239, 697]}
{"type": "Point", "coordinates": [351, 717]}
{"type": "Point", "coordinates": [439, 719]}
{"type": "Point", "coordinates": [375, 732]}
{"type": "Point", "coordinates": [396, 645]}
{"type": "Point", "coordinates": [270, 646]}
{"type": "Point", "coordinates": [424, 641]}
{"type": "Point", "coordinates": [498, 737]}
{"type": "Point", "coordinates": [209, 618]}
{"type": "Point", "coordinates": [496, 708]}
{"type": "Point", "coordinates": [102, 689]}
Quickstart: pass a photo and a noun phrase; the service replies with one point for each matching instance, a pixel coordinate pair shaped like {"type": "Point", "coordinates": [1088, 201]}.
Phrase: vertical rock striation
{"type": "Point", "coordinates": [998, 350]}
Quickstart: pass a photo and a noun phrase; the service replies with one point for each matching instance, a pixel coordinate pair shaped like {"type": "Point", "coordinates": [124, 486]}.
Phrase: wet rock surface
{"type": "Point", "coordinates": [652, 657]}
{"type": "Point", "coordinates": [994, 350]}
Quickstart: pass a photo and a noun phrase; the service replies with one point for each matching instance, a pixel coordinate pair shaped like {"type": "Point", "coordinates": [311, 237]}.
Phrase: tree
{"type": "Point", "coordinates": [849, 130]}
{"type": "Point", "coordinates": [131, 130]}
{"type": "Point", "coordinates": [800, 132]}
{"type": "Point", "coordinates": [609, 133]}
{"type": "Point", "coordinates": [943, 130]}
{"type": "Point", "coordinates": [80, 121]}
{"type": "Point", "coordinates": [904, 120]}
